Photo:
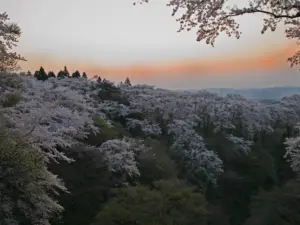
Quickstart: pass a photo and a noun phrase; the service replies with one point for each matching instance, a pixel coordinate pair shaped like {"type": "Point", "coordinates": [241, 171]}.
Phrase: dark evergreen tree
{"type": "Point", "coordinates": [99, 79]}
{"type": "Point", "coordinates": [36, 74]}
{"type": "Point", "coordinates": [61, 74]}
{"type": "Point", "coordinates": [67, 74]}
{"type": "Point", "coordinates": [84, 75]}
{"type": "Point", "coordinates": [127, 81]}
{"type": "Point", "coordinates": [42, 74]}
{"type": "Point", "coordinates": [29, 74]}
{"type": "Point", "coordinates": [51, 74]}
{"type": "Point", "coordinates": [76, 74]}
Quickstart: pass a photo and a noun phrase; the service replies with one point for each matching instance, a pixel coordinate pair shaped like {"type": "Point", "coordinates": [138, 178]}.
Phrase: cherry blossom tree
{"type": "Point", "coordinates": [9, 35]}
{"type": "Point", "coordinates": [121, 155]}
{"type": "Point", "coordinates": [240, 143]}
{"type": "Point", "coordinates": [293, 143]}
{"type": "Point", "coordinates": [114, 110]}
{"type": "Point", "coordinates": [52, 113]}
{"type": "Point", "coordinates": [203, 109]}
{"type": "Point", "coordinates": [190, 146]}
{"type": "Point", "coordinates": [211, 18]}
{"type": "Point", "coordinates": [60, 112]}
{"type": "Point", "coordinates": [293, 151]}
{"type": "Point", "coordinates": [233, 116]}
{"type": "Point", "coordinates": [148, 128]}
{"type": "Point", "coordinates": [26, 185]}
{"type": "Point", "coordinates": [285, 113]}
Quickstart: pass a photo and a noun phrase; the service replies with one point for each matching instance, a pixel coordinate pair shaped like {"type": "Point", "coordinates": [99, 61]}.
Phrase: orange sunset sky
{"type": "Point", "coordinates": [115, 39]}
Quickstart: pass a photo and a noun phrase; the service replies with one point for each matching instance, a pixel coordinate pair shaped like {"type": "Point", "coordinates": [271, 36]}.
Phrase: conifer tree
{"type": "Point", "coordinates": [76, 74]}
{"type": "Point", "coordinates": [127, 81]}
{"type": "Point", "coordinates": [67, 74]}
{"type": "Point", "coordinates": [42, 74]}
{"type": "Point", "coordinates": [36, 74]}
{"type": "Point", "coordinates": [84, 75]}
{"type": "Point", "coordinates": [51, 74]}
{"type": "Point", "coordinates": [61, 74]}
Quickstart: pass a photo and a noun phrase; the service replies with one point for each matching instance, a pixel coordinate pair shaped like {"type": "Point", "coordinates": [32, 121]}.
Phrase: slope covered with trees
{"type": "Point", "coordinates": [85, 151]}
{"type": "Point", "coordinates": [88, 151]}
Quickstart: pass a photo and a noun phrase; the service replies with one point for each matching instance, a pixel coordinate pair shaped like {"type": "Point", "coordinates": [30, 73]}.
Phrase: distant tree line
{"type": "Point", "coordinates": [41, 74]}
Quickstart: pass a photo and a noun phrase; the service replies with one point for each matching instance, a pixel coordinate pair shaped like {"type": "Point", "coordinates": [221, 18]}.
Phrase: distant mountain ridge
{"type": "Point", "coordinates": [273, 93]}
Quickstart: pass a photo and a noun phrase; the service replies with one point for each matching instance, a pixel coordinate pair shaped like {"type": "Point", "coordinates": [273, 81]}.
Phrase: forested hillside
{"type": "Point", "coordinates": [274, 93]}
{"type": "Point", "coordinates": [80, 151]}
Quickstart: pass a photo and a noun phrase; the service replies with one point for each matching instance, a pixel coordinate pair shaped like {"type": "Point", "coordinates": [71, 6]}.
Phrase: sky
{"type": "Point", "coordinates": [114, 39]}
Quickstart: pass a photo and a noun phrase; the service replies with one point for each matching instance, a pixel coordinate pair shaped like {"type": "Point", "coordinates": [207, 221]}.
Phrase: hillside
{"type": "Point", "coordinates": [76, 151]}
{"type": "Point", "coordinates": [274, 93]}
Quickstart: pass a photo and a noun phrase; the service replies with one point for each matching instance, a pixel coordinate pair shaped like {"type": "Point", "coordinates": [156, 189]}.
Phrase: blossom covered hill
{"type": "Point", "coordinates": [270, 94]}
{"type": "Point", "coordinates": [136, 135]}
